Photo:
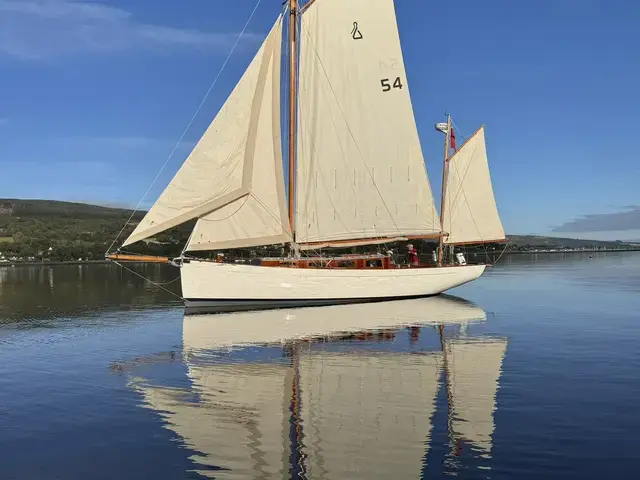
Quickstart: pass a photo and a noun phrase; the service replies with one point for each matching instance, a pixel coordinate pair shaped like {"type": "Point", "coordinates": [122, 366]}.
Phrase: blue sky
{"type": "Point", "coordinates": [94, 95]}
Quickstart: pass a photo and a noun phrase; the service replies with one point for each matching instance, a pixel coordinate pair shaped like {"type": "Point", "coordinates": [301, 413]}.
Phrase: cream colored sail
{"type": "Point", "coordinates": [367, 416]}
{"type": "Point", "coordinates": [473, 369]}
{"type": "Point", "coordinates": [239, 424]}
{"type": "Point", "coordinates": [360, 169]}
{"type": "Point", "coordinates": [471, 214]}
{"type": "Point", "coordinates": [232, 180]}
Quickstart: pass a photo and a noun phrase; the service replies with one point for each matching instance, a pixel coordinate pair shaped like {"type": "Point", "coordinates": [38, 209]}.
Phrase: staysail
{"type": "Point", "coordinates": [474, 367]}
{"type": "Point", "coordinates": [471, 214]}
{"type": "Point", "coordinates": [232, 181]}
{"type": "Point", "coordinates": [360, 170]}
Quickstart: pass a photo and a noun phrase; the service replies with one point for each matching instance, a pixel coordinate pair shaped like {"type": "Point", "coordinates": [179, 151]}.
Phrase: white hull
{"type": "Point", "coordinates": [239, 287]}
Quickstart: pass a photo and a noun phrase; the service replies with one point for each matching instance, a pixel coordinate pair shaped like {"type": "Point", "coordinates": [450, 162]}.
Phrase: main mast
{"type": "Point", "coordinates": [292, 110]}
{"type": "Point", "coordinates": [445, 164]}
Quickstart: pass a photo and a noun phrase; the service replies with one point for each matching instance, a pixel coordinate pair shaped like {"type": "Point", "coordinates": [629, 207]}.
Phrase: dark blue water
{"type": "Point", "coordinates": [530, 372]}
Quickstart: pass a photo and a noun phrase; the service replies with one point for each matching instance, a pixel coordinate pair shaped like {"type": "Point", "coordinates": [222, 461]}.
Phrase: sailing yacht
{"type": "Point", "coordinates": [329, 412]}
{"type": "Point", "coordinates": [355, 174]}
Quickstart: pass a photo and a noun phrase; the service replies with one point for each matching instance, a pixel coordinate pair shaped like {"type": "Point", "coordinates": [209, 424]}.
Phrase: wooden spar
{"type": "Point", "coordinates": [358, 241]}
{"type": "Point", "coordinates": [306, 5]}
{"type": "Point", "coordinates": [118, 257]}
{"type": "Point", "coordinates": [355, 242]}
{"type": "Point", "coordinates": [365, 241]}
{"type": "Point", "coordinates": [444, 189]}
{"type": "Point", "coordinates": [292, 110]}
{"type": "Point", "coordinates": [465, 142]}
{"type": "Point", "coordinates": [425, 236]}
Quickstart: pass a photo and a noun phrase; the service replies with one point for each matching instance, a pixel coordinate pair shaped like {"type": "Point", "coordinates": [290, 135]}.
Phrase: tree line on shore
{"type": "Point", "coordinates": [39, 230]}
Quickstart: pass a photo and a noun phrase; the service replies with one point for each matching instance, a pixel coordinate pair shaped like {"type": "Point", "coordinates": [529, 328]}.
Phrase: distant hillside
{"type": "Point", "coordinates": [67, 231]}
{"type": "Point", "coordinates": [54, 208]}
{"type": "Point", "coordinates": [556, 242]}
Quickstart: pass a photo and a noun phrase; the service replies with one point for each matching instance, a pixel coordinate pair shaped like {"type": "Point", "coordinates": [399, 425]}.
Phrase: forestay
{"type": "Point", "coordinates": [470, 213]}
{"type": "Point", "coordinates": [360, 169]}
{"type": "Point", "coordinates": [232, 180]}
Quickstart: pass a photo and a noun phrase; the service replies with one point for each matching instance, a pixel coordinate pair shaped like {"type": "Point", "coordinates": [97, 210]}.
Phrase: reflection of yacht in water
{"type": "Point", "coordinates": [323, 410]}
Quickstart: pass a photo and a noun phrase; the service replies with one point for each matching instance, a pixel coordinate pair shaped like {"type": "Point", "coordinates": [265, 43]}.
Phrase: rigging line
{"type": "Point", "coordinates": [186, 244]}
{"type": "Point", "coordinates": [503, 250]}
{"type": "Point", "coordinates": [285, 228]}
{"type": "Point", "coordinates": [349, 128]}
{"type": "Point", "coordinates": [246, 198]}
{"type": "Point", "coordinates": [463, 137]}
{"type": "Point", "coordinates": [203, 219]}
{"type": "Point", "coordinates": [159, 285]}
{"type": "Point", "coordinates": [213, 84]}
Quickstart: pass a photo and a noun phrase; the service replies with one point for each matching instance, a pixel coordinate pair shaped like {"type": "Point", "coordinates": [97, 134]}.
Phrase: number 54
{"type": "Point", "coordinates": [386, 86]}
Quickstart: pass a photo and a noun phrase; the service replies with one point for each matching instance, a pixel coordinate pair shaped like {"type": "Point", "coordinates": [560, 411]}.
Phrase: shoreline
{"type": "Point", "coordinates": [594, 250]}
{"type": "Point", "coordinates": [516, 252]}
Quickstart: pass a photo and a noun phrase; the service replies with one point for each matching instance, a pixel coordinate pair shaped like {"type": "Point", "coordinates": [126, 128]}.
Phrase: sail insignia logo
{"type": "Point", "coordinates": [356, 34]}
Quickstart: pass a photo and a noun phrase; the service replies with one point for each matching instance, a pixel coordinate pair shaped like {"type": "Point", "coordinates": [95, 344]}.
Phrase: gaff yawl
{"type": "Point", "coordinates": [335, 414]}
{"type": "Point", "coordinates": [355, 173]}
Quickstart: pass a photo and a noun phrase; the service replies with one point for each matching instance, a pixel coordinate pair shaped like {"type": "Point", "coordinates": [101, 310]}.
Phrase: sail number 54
{"type": "Point", "coordinates": [387, 85]}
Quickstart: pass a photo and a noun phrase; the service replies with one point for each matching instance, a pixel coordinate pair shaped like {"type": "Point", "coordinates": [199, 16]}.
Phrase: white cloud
{"type": "Point", "coordinates": [44, 29]}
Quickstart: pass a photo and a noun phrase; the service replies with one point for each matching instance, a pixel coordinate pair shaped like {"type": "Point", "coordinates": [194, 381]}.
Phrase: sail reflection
{"type": "Point", "coordinates": [473, 369]}
{"type": "Point", "coordinates": [321, 407]}
{"type": "Point", "coordinates": [367, 416]}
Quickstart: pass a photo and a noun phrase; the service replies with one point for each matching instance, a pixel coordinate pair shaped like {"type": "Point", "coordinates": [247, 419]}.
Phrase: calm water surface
{"type": "Point", "coordinates": [531, 372]}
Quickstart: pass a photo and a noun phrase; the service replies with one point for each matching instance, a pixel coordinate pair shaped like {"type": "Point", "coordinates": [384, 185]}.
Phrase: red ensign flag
{"type": "Point", "coordinates": [453, 139]}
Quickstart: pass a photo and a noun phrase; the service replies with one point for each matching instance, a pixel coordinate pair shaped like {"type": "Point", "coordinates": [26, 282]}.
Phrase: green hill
{"type": "Point", "coordinates": [558, 242]}
{"type": "Point", "coordinates": [68, 231]}
{"type": "Point", "coordinates": [36, 229]}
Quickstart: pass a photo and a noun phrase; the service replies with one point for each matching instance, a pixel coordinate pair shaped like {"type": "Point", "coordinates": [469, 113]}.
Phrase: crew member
{"type": "Point", "coordinates": [412, 256]}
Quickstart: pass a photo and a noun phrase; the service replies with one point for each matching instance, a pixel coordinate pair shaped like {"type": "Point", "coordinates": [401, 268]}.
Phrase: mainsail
{"type": "Point", "coordinates": [360, 170]}
{"type": "Point", "coordinates": [232, 181]}
{"type": "Point", "coordinates": [471, 215]}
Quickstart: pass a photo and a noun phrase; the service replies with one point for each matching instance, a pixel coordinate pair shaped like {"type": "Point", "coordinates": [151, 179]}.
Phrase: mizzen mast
{"type": "Point", "coordinates": [445, 163]}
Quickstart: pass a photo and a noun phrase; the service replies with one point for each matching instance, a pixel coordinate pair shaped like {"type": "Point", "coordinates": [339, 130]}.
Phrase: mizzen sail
{"type": "Point", "coordinates": [471, 214]}
{"type": "Point", "coordinates": [360, 171]}
{"type": "Point", "coordinates": [232, 181]}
